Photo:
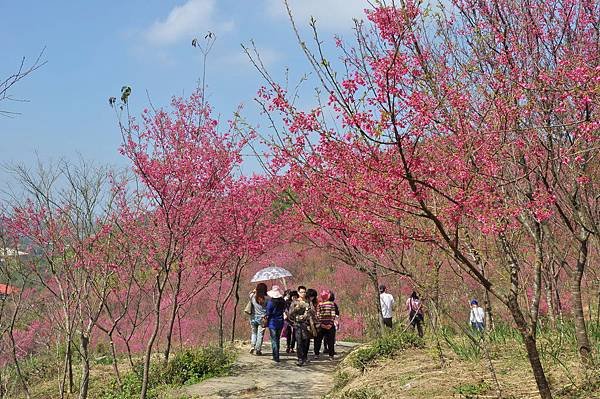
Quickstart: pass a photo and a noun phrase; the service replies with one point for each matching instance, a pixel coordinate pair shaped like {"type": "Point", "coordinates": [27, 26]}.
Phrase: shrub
{"type": "Point", "coordinates": [341, 379]}
{"type": "Point", "coordinates": [383, 347]}
{"type": "Point", "coordinates": [362, 393]}
{"type": "Point", "coordinates": [472, 390]}
{"type": "Point", "coordinates": [187, 367]}
{"type": "Point", "coordinates": [194, 365]}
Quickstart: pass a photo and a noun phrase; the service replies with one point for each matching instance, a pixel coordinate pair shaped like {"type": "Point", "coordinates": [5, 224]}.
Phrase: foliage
{"type": "Point", "coordinates": [383, 347]}
{"type": "Point", "coordinates": [192, 366]}
{"type": "Point", "coordinates": [472, 391]}
{"type": "Point", "coordinates": [362, 393]}
{"type": "Point", "coordinates": [187, 367]}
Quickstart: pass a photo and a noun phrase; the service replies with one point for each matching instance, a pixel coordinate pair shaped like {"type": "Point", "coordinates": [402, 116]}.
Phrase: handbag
{"type": "Point", "coordinates": [249, 308]}
{"type": "Point", "coordinates": [264, 321]}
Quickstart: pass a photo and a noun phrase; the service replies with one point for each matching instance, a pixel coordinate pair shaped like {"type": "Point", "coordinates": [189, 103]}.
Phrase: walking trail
{"type": "Point", "coordinates": [260, 377]}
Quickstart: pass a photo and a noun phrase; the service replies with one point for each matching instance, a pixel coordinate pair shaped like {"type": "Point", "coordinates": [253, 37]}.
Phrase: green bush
{"type": "Point", "coordinates": [383, 347]}
{"type": "Point", "coordinates": [194, 365]}
{"type": "Point", "coordinates": [362, 393]}
{"type": "Point", "coordinates": [341, 379]}
{"type": "Point", "coordinates": [472, 390]}
{"type": "Point", "coordinates": [187, 367]}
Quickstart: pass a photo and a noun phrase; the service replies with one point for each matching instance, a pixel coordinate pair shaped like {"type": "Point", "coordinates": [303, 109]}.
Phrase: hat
{"type": "Point", "coordinates": [474, 302]}
{"type": "Point", "coordinates": [325, 295]}
{"type": "Point", "coordinates": [382, 288]}
{"type": "Point", "coordinates": [275, 292]}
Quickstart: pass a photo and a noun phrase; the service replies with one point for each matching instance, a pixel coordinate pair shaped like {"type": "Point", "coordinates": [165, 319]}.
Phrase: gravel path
{"type": "Point", "coordinates": [260, 377]}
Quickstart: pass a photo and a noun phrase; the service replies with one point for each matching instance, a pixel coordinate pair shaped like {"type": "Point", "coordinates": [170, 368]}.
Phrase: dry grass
{"type": "Point", "coordinates": [418, 373]}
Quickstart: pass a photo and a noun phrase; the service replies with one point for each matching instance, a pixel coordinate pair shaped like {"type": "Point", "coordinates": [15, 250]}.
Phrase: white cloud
{"type": "Point", "coordinates": [239, 59]}
{"type": "Point", "coordinates": [335, 15]}
{"type": "Point", "coordinates": [192, 18]}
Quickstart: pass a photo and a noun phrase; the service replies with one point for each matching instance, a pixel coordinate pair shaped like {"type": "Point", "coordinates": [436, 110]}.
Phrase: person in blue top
{"type": "Point", "coordinates": [275, 308]}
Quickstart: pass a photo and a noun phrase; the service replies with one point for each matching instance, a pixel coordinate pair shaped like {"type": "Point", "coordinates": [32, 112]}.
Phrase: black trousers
{"type": "Point", "coordinates": [290, 335]}
{"type": "Point", "coordinates": [302, 341]}
{"type": "Point", "coordinates": [327, 336]}
{"type": "Point", "coordinates": [416, 320]}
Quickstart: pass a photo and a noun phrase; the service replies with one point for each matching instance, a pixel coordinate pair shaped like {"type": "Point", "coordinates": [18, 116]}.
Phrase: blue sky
{"type": "Point", "coordinates": [93, 48]}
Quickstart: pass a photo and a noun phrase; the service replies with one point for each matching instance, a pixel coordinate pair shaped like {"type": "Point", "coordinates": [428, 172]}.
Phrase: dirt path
{"type": "Point", "coordinates": [260, 377]}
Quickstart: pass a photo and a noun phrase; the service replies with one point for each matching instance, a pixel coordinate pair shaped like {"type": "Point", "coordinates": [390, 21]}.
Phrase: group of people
{"type": "Point", "coordinates": [301, 316]}
{"type": "Point", "coordinates": [414, 309]}
{"type": "Point", "coordinates": [304, 315]}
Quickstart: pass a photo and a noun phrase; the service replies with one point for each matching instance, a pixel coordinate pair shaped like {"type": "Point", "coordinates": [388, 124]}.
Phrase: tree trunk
{"type": "Point", "coordinates": [489, 315]}
{"type": "Point", "coordinates": [373, 277]}
{"type": "Point", "coordinates": [532, 351]}
{"type": "Point", "coordinates": [17, 365]}
{"type": "Point", "coordinates": [85, 369]}
{"type": "Point", "coordinates": [113, 353]}
{"type": "Point", "coordinates": [150, 344]}
{"type": "Point", "coordinates": [235, 306]}
{"type": "Point", "coordinates": [68, 372]}
{"type": "Point", "coordinates": [549, 294]}
{"type": "Point", "coordinates": [583, 342]}
{"type": "Point", "coordinates": [525, 330]}
{"type": "Point", "coordinates": [174, 310]}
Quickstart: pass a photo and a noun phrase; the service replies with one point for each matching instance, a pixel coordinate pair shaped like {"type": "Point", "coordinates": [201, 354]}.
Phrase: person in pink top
{"type": "Point", "coordinates": [415, 312]}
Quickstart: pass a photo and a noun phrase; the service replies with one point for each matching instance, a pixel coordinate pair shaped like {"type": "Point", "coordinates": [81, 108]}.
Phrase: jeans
{"type": "Point", "coordinates": [275, 334]}
{"type": "Point", "coordinates": [328, 337]}
{"type": "Point", "coordinates": [258, 332]}
{"type": "Point", "coordinates": [477, 326]}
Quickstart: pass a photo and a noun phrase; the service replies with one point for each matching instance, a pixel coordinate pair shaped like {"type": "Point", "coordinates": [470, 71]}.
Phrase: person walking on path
{"type": "Point", "coordinates": [300, 315]}
{"type": "Point", "coordinates": [326, 314]}
{"type": "Point", "coordinates": [259, 302]}
{"type": "Point", "coordinates": [297, 316]}
{"type": "Point", "coordinates": [274, 313]}
{"type": "Point", "coordinates": [415, 312]}
{"type": "Point", "coordinates": [477, 316]}
{"type": "Point", "coordinates": [387, 305]}
{"type": "Point", "coordinates": [336, 323]}
{"type": "Point", "coordinates": [290, 330]}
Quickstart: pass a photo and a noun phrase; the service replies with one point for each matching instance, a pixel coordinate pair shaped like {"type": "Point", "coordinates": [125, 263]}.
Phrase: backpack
{"type": "Point", "coordinates": [415, 306]}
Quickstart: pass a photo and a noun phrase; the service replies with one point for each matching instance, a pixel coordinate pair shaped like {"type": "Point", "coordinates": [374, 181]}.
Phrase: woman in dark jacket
{"type": "Point", "coordinates": [290, 330]}
{"type": "Point", "coordinates": [275, 308]}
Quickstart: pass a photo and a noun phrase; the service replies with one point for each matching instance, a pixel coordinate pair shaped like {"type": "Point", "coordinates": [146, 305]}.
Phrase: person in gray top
{"type": "Point", "coordinates": [259, 303]}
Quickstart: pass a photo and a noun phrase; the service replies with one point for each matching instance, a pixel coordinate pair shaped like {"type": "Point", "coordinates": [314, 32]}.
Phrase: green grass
{"type": "Point", "coordinates": [383, 347]}
{"type": "Point", "coordinates": [188, 367]}
{"type": "Point", "coordinates": [362, 393]}
{"type": "Point", "coordinates": [472, 390]}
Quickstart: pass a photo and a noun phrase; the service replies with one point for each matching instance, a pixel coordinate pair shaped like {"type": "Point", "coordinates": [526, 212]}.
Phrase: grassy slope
{"type": "Point", "coordinates": [418, 373]}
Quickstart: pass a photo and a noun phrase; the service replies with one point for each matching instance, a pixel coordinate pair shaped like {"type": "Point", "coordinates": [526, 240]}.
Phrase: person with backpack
{"type": "Point", "coordinates": [326, 316]}
{"type": "Point", "coordinates": [258, 299]}
{"type": "Point", "coordinates": [415, 312]}
{"type": "Point", "coordinates": [274, 314]}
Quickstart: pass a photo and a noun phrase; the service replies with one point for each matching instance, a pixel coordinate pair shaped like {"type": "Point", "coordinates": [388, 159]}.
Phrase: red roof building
{"type": "Point", "coordinates": [6, 290]}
